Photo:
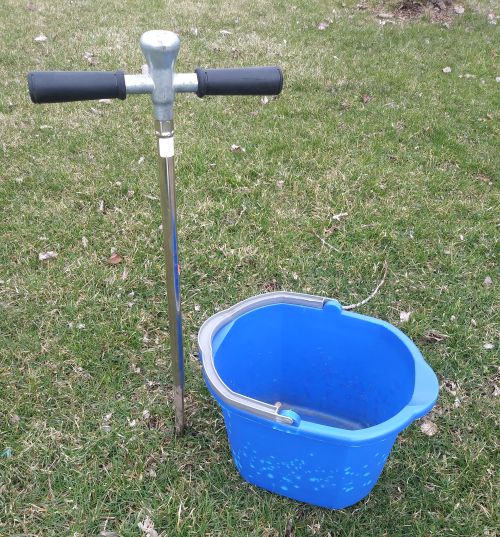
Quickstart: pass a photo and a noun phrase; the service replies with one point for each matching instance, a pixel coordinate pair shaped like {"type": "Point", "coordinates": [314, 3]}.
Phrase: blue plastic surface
{"type": "Point", "coordinates": [350, 382]}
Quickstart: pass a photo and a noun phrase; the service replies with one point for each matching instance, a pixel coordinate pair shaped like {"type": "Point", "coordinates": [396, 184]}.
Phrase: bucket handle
{"type": "Point", "coordinates": [212, 325]}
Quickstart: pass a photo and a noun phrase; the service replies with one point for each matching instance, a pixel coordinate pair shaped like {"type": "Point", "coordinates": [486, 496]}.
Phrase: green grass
{"type": "Point", "coordinates": [415, 168]}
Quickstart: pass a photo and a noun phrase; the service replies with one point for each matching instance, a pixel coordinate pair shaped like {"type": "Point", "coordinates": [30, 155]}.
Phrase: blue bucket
{"type": "Point", "coordinates": [313, 396]}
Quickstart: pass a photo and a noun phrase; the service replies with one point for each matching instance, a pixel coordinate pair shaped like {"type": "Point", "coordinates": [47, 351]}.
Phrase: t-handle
{"type": "Point", "coordinates": [160, 49]}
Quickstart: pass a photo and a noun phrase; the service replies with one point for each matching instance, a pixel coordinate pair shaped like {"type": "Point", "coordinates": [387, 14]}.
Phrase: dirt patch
{"type": "Point", "coordinates": [271, 286]}
{"type": "Point", "coordinates": [411, 10]}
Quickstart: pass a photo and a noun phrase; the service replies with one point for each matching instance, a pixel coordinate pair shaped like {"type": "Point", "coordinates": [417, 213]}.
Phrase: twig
{"type": "Point", "coordinates": [339, 216]}
{"type": "Point", "coordinates": [371, 295]}
{"type": "Point", "coordinates": [325, 243]}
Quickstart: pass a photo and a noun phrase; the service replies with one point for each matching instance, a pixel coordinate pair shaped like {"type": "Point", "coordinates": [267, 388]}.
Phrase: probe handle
{"type": "Point", "coordinates": [239, 81]}
{"type": "Point", "coordinates": [65, 86]}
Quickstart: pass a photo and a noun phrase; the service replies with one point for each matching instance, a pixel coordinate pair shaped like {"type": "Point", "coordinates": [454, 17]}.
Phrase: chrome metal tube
{"type": "Point", "coordinates": [139, 84]}
{"type": "Point", "coordinates": [165, 137]}
{"type": "Point", "coordinates": [183, 83]}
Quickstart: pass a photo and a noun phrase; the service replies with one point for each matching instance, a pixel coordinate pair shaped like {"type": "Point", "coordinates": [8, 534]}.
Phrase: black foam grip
{"type": "Point", "coordinates": [240, 81]}
{"type": "Point", "coordinates": [64, 86]}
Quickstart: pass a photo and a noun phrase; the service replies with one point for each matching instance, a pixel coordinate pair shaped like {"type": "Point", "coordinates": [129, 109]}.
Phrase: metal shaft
{"type": "Point", "coordinates": [160, 49]}
{"type": "Point", "coordinates": [165, 137]}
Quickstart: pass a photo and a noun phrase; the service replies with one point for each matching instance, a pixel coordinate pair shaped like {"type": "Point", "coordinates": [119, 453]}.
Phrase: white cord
{"type": "Point", "coordinates": [371, 295]}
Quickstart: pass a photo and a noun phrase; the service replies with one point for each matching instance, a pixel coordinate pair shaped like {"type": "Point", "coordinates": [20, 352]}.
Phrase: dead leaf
{"type": "Point", "coordinates": [194, 31]}
{"type": "Point", "coordinates": [496, 391]}
{"type": "Point", "coordinates": [105, 426]}
{"type": "Point", "coordinates": [366, 98]}
{"type": "Point", "coordinates": [488, 281]}
{"type": "Point", "coordinates": [429, 428]}
{"type": "Point", "coordinates": [264, 100]}
{"type": "Point", "coordinates": [289, 529]}
{"type": "Point", "coordinates": [237, 149]}
{"type": "Point", "coordinates": [451, 387]}
{"type": "Point", "coordinates": [271, 286]}
{"type": "Point", "coordinates": [115, 259]}
{"type": "Point", "coordinates": [148, 528]}
{"type": "Point", "coordinates": [197, 307]}
{"type": "Point", "coordinates": [44, 256]}
{"type": "Point", "coordinates": [135, 369]}
{"type": "Point", "coordinates": [124, 273]}
{"type": "Point", "coordinates": [404, 316]}
{"type": "Point", "coordinates": [225, 32]}
{"type": "Point", "coordinates": [433, 336]}
{"type": "Point", "coordinates": [488, 346]}
{"type": "Point", "coordinates": [14, 419]}
{"type": "Point", "coordinates": [385, 15]}
{"type": "Point", "coordinates": [459, 10]}
{"type": "Point", "coordinates": [446, 69]}
{"type": "Point", "coordinates": [106, 533]}
{"type": "Point", "coordinates": [280, 184]}
{"type": "Point", "coordinates": [41, 38]}
{"type": "Point", "coordinates": [85, 242]}
{"type": "Point", "coordinates": [89, 56]}
{"type": "Point", "coordinates": [323, 25]}
{"type": "Point", "coordinates": [141, 160]}
{"type": "Point", "coordinates": [105, 101]}
{"type": "Point", "coordinates": [329, 230]}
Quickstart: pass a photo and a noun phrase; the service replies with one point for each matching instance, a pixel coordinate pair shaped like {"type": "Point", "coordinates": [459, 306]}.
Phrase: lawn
{"type": "Point", "coordinates": [371, 155]}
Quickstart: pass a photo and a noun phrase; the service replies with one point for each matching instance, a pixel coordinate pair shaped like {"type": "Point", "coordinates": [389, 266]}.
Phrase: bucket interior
{"type": "Point", "coordinates": [341, 370]}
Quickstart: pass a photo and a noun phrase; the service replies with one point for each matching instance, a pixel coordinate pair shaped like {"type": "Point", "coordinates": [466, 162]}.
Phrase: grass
{"type": "Point", "coordinates": [416, 169]}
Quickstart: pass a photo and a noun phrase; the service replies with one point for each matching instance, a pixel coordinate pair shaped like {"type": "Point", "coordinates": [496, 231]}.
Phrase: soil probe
{"type": "Point", "coordinates": [160, 49]}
